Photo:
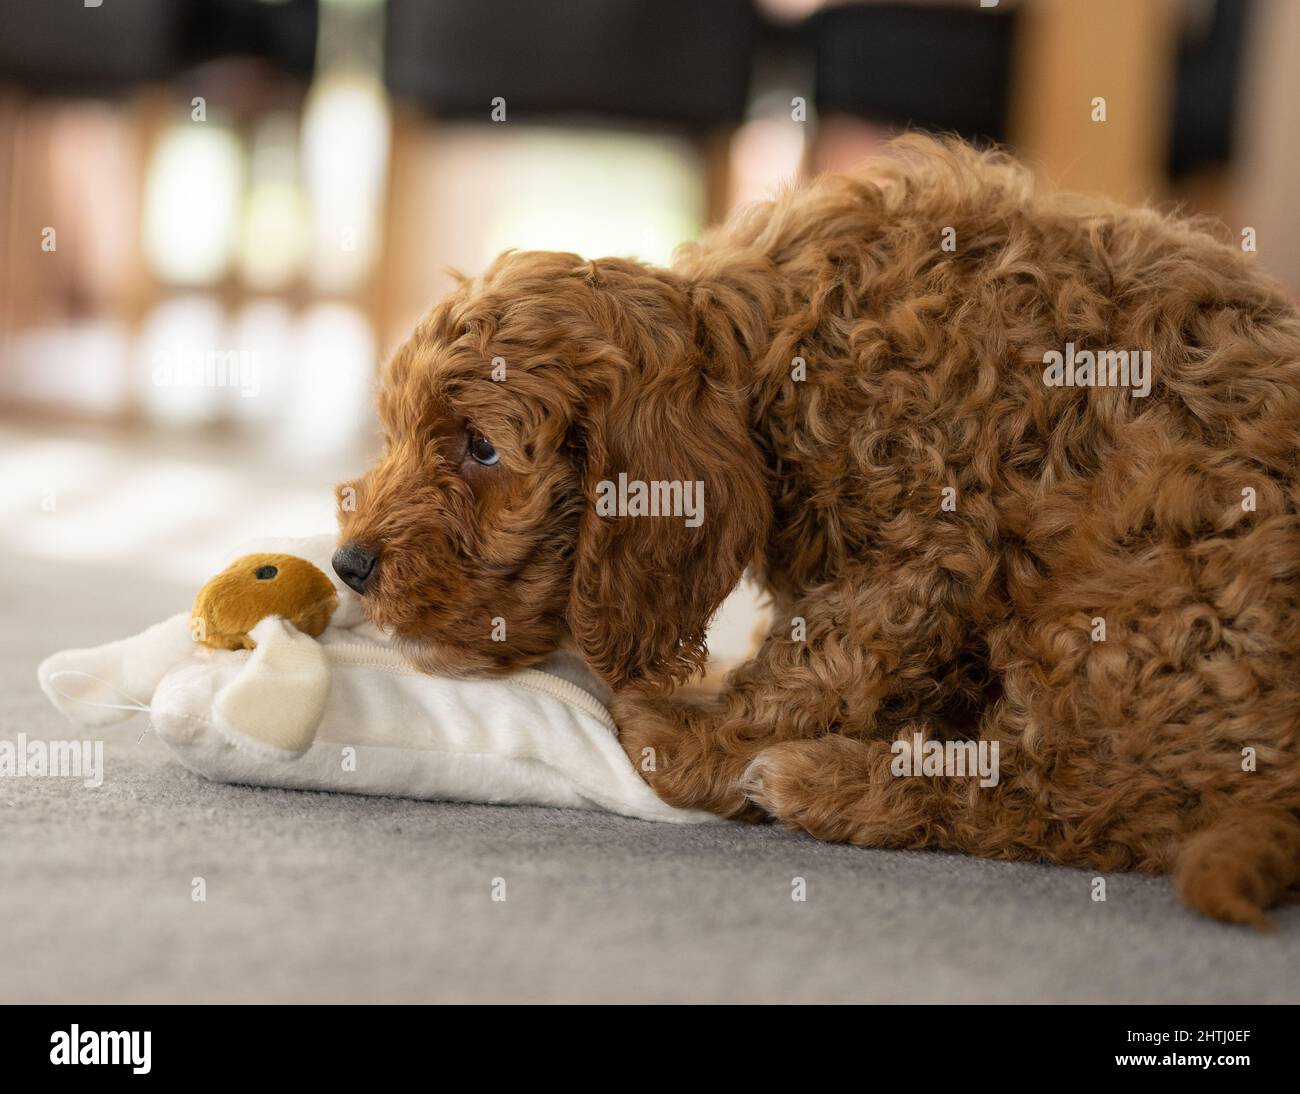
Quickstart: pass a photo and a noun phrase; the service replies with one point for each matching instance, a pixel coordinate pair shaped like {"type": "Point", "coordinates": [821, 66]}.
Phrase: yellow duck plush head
{"type": "Point", "coordinates": [255, 586]}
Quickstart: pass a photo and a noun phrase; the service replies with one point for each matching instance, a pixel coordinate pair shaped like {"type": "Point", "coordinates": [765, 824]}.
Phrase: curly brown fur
{"type": "Point", "coordinates": [924, 371]}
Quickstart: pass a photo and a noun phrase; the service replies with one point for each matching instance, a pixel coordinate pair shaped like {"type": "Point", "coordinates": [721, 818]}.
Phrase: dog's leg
{"type": "Point", "coordinates": [828, 667]}
{"type": "Point", "coordinates": [1065, 792]}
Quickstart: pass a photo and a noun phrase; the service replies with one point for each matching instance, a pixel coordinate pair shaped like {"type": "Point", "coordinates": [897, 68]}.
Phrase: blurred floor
{"type": "Point", "coordinates": [333, 897]}
{"type": "Point", "coordinates": [172, 507]}
{"type": "Point", "coordinates": [166, 507]}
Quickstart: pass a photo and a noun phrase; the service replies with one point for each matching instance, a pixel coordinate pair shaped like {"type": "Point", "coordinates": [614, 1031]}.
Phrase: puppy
{"type": "Point", "coordinates": [898, 400]}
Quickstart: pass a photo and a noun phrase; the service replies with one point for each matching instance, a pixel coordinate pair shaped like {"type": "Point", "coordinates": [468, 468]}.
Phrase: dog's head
{"type": "Point", "coordinates": [533, 424]}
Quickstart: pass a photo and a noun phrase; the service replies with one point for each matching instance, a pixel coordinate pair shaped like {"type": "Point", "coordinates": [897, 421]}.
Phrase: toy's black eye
{"type": "Point", "coordinates": [480, 448]}
{"type": "Point", "coordinates": [265, 573]}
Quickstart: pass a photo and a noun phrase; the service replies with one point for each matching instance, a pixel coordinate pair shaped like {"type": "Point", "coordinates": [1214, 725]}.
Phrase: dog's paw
{"type": "Point", "coordinates": [751, 782]}
{"type": "Point", "coordinates": [773, 780]}
{"type": "Point", "coordinates": [821, 786]}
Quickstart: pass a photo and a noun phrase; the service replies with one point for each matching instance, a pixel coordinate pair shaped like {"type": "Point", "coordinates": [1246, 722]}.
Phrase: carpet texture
{"type": "Point", "coordinates": [322, 897]}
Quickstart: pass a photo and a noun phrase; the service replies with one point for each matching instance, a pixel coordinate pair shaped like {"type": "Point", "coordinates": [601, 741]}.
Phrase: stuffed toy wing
{"type": "Point", "coordinates": [275, 679]}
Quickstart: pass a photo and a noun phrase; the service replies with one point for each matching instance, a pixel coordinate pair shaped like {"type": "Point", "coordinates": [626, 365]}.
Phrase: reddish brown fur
{"type": "Point", "coordinates": [924, 371]}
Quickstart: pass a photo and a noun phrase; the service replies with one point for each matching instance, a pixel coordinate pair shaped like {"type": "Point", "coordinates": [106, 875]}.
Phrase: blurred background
{"type": "Point", "coordinates": [219, 216]}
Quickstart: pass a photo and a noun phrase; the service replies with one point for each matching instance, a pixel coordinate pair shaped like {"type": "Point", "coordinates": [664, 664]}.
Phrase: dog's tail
{"type": "Point", "coordinates": [1241, 864]}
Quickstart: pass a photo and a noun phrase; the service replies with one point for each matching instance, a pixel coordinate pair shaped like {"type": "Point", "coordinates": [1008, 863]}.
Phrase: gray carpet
{"type": "Point", "coordinates": [321, 897]}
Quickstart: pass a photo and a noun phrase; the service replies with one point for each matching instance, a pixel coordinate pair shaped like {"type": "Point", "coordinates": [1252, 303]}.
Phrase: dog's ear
{"type": "Point", "coordinates": [646, 586]}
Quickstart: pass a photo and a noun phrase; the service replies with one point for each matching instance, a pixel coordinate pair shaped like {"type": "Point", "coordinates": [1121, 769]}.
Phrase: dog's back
{"type": "Point", "coordinates": [1053, 443]}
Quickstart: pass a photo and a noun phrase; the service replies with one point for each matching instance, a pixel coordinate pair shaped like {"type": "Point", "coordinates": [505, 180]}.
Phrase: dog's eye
{"type": "Point", "coordinates": [480, 448]}
{"type": "Point", "coordinates": [265, 573]}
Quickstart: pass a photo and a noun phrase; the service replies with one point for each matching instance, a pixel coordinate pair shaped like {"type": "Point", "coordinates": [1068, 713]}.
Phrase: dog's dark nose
{"type": "Point", "coordinates": [354, 564]}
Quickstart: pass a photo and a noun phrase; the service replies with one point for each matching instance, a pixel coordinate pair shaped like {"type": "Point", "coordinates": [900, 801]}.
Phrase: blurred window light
{"type": "Point", "coordinates": [81, 367]}
{"type": "Point", "coordinates": [329, 397]}
{"type": "Point", "coordinates": [791, 11]}
{"type": "Point", "coordinates": [191, 203]}
{"type": "Point", "coordinates": [635, 195]}
{"type": "Point", "coordinates": [766, 156]}
{"type": "Point", "coordinates": [264, 330]}
{"type": "Point", "coordinates": [274, 238]}
{"type": "Point", "coordinates": [767, 152]}
{"type": "Point", "coordinates": [345, 138]}
{"type": "Point", "coordinates": [484, 190]}
{"type": "Point", "coordinates": [183, 370]}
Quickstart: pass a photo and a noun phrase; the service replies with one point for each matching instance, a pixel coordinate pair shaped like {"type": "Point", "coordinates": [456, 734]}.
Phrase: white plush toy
{"type": "Point", "coordinates": [275, 679]}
